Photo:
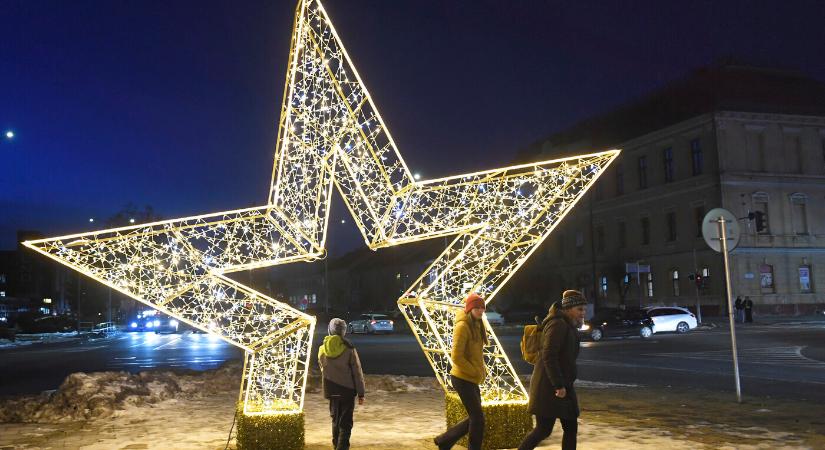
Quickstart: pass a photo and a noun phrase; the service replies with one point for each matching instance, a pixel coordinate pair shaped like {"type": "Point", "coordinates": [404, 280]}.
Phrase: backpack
{"type": "Point", "coordinates": [531, 344]}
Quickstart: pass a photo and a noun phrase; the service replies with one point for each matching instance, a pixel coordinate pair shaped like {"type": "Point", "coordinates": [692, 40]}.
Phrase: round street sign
{"type": "Point", "coordinates": [710, 229]}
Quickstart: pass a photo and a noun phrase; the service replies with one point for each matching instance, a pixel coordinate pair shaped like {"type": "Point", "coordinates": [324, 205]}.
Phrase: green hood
{"type": "Point", "coordinates": [333, 346]}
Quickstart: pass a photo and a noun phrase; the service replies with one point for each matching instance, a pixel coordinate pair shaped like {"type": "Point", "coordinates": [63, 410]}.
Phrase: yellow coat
{"type": "Point", "coordinates": [467, 354]}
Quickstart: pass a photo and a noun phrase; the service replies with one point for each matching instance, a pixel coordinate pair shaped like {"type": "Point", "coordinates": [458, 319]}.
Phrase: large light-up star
{"type": "Point", "coordinates": [331, 134]}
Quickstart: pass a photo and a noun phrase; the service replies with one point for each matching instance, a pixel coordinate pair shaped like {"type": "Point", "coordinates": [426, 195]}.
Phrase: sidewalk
{"type": "Point", "coordinates": [161, 410]}
{"type": "Point", "coordinates": [715, 322]}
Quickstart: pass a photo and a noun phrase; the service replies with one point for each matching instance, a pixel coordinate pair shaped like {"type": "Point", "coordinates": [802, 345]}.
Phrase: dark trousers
{"type": "Point", "coordinates": [340, 409]}
{"type": "Point", "coordinates": [474, 423]}
{"type": "Point", "coordinates": [544, 427]}
{"type": "Point", "coordinates": [749, 315]}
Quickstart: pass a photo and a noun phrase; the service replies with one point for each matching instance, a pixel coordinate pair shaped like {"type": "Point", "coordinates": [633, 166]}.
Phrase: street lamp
{"type": "Point", "coordinates": [9, 135]}
{"type": "Point", "coordinates": [417, 176]}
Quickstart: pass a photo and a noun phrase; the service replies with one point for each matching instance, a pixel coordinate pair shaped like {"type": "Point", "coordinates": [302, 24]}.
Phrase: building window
{"type": "Point", "coordinates": [760, 203]}
{"type": "Point", "coordinates": [696, 156]}
{"type": "Point", "coordinates": [2, 293]}
{"type": "Point", "coordinates": [645, 230]}
{"type": "Point", "coordinates": [674, 276]}
{"type": "Point", "coordinates": [579, 243]}
{"type": "Point", "coordinates": [766, 278]}
{"type": "Point", "coordinates": [649, 284]}
{"type": "Point", "coordinates": [805, 279]}
{"type": "Point", "coordinates": [2, 278]}
{"type": "Point", "coordinates": [600, 239]}
{"type": "Point", "coordinates": [643, 172]}
{"type": "Point", "coordinates": [671, 226]}
{"type": "Point", "coordinates": [705, 272]}
{"type": "Point", "coordinates": [619, 179]}
{"type": "Point", "coordinates": [798, 214]}
{"type": "Point", "coordinates": [667, 156]}
{"type": "Point", "coordinates": [698, 216]}
{"type": "Point", "coordinates": [603, 286]}
{"type": "Point", "coordinates": [622, 234]}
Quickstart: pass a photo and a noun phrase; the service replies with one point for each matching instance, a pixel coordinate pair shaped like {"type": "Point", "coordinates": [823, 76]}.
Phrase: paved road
{"type": "Point", "coordinates": [781, 360]}
{"type": "Point", "coordinates": [35, 368]}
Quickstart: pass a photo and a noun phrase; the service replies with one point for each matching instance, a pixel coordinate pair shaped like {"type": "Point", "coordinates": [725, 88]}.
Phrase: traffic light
{"type": "Point", "coordinates": [759, 219]}
{"type": "Point", "coordinates": [691, 277]}
{"type": "Point", "coordinates": [699, 280]}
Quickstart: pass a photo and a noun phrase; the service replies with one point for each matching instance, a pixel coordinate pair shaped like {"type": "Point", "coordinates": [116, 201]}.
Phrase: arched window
{"type": "Point", "coordinates": [760, 202]}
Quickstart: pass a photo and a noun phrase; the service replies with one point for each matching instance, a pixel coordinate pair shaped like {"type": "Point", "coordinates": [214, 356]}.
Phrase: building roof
{"type": "Point", "coordinates": [705, 90]}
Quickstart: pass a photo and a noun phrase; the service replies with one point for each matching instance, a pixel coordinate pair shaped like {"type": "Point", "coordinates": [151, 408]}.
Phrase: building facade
{"type": "Point", "coordinates": [743, 139]}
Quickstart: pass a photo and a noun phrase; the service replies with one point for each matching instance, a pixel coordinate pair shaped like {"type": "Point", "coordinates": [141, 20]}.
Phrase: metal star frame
{"type": "Point", "coordinates": [331, 134]}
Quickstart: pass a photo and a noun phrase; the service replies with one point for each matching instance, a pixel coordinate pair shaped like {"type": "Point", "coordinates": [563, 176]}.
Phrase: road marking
{"type": "Point", "coordinates": [168, 343]}
{"type": "Point", "coordinates": [784, 356]}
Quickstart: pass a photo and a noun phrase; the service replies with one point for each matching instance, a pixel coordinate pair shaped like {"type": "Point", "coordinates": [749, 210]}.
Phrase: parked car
{"type": "Point", "coordinates": [616, 323]}
{"type": "Point", "coordinates": [494, 318]}
{"type": "Point", "coordinates": [371, 323]}
{"type": "Point", "coordinates": [671, 318]}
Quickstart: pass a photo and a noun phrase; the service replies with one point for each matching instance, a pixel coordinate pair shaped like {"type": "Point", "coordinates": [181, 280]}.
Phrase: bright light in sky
{"type": "Point", "coordinates": [417, 176]}
{"type": "Point", "coordinates": [9, 134]}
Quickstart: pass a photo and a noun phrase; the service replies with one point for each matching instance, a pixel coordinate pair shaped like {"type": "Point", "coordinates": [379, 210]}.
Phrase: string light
{"type": "Point", "coordinates": [331, 134]}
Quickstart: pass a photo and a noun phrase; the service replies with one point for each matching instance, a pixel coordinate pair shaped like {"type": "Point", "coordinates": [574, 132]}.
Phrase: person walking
{"type": "Point", "coordinates": [748, 305]}
{"type": "Point", "coordinates": [342, 380]}
{"type": "Point", "coordinates": [467, 373]}
{"type": "Point", "coordinates": [739, 306]}
{"type": "Point", "coordinates": [552, 395]}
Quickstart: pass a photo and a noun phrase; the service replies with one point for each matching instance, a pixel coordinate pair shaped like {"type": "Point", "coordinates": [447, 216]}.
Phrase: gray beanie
{"type": "Point", "coordinates": [337, 326]}
{"type": "Point", "coordinates": [571, 298]}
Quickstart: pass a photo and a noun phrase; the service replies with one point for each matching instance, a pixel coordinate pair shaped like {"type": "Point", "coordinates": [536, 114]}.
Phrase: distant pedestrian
{"type": "Point", "coordinates": [748, 305]}
{"type": "Point", "coordinates": [552, 395]}
{"type": "Point", "coordinates": [342, 381]}
{"type": "Point", "coordinates": [740, 309]}
{"type": "Point", "coordinates": [467, 373]}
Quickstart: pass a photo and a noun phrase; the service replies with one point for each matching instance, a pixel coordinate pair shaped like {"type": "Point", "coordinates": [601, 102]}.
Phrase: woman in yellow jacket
{"type": "Point", "coordinates": [467, 373]}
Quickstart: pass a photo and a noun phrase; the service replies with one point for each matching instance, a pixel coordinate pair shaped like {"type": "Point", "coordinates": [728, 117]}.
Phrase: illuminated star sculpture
{"type": "Point", "coordinates": [331, 134]}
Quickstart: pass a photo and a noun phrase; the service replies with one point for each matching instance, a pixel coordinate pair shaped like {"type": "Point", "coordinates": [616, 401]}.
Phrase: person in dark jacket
{"type": "Point", "coordinates": [467, 373]}
{"type": "Point", "coordinates": [552, 395]}
{"type": "Point", "coordinates": [342, 380]}
{"type": "Point", "coordinates": [748, 305]}
{"type": "Point", "coordinates": [739, 306]}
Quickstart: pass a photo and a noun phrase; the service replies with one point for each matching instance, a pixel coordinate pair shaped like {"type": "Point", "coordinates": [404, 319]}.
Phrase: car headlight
{"type": "Point", "coordinates": [173, 323]}
{"type": "Point", "coordinates": [584, 327]}
{"type": "Point", "coordinates": [157, 323]}
{"type": "Point", "coordinates": [148, 324]}
{"type": "Point", "coordinates": [133, 325]}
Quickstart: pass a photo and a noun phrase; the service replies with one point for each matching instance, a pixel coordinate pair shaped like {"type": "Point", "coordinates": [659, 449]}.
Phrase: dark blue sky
{"type": "Point", "coordinates": [175, 104]}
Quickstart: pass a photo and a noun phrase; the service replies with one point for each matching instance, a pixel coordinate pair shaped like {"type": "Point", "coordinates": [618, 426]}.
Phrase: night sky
{"type": "Point", "coordinates": [175, 104]}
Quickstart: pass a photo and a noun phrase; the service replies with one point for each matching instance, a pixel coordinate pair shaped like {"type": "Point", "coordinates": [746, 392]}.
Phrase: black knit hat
{"type": "Point", "coordinates": [572, 298]}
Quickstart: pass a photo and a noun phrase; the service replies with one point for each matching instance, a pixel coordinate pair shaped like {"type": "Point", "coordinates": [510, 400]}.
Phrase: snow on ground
{"type": "Point", "coordinates": [37, 338]}
{"type": "Point", "coordinates": [194, 410]}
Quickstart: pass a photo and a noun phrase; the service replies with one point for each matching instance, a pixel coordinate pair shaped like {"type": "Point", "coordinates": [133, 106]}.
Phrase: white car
{"type": "Point", "coordinates": [671, 318]}
{"type": "Point", "coordinates": [494, 318]}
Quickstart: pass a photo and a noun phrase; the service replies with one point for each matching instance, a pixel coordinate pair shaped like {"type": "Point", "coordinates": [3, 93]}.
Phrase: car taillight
{"type": "Point", "coordinates": [391, 322]}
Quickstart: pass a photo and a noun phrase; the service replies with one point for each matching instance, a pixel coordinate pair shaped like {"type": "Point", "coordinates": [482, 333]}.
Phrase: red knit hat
{"type": "Point", "coordinates": [473, 301]}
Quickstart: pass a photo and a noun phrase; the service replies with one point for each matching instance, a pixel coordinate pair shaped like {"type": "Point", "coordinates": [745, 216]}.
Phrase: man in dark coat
{"type": "Point", "coordinates": [552, 395]}
{"type": "Point", "coordinates": [739, 306]}
{"type": "Point", "coordinates": [748, 305]}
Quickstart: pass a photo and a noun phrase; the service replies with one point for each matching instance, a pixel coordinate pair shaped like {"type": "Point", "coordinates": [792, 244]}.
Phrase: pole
{"type": "Point", "coordinates": [724, 238]}
{"type": "Point", "coordinates": [696, 288]}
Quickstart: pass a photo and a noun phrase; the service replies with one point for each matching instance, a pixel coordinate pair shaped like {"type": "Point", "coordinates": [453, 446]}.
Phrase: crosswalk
{"type": "Point", "coordinates": [790, 356]}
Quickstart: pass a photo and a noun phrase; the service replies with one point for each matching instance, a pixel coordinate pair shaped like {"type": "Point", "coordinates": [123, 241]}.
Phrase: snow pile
{"type": "Point", "coordinates": [400, 383]}
{"type": "Point", "coordinates": [37, 338]}
{"type": "Point", "coordinates": [381, 383]}
{"type": "Point", "coordinates": [84, 396]}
